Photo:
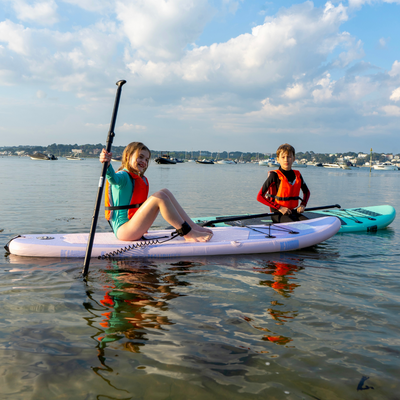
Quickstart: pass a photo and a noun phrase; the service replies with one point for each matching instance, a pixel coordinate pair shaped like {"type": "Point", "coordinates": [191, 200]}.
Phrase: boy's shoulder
{"type": "Point", "coordinates": [273, 172]}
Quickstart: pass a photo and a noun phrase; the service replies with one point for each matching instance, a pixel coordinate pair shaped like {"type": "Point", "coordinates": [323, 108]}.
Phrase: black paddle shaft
{"type": "Point", "coordinates": [110, 138]}
{"type": "Point", "coordinates": [251, 216]}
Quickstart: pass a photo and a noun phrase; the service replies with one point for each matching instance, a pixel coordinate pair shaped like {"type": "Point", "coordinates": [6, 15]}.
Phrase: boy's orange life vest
{"type": "Point", "coordinates": [139, 196]}
{"type": "Point", "coordinates": [288, 195]}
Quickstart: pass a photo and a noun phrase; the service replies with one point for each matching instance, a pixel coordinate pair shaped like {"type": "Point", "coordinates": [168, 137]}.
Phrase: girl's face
{"type": "Point", "coordinates": [139, 161]}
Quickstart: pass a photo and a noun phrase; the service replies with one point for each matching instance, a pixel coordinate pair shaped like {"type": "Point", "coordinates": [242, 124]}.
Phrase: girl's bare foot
{"type": "Point", "coordinates": [198, 236]}
{"type": "Point", "coordinates": [203, 229]}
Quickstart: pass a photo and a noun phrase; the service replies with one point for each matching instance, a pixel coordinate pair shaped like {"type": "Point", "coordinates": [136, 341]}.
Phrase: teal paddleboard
{"type": "Point", "coordinates": [360, 219]}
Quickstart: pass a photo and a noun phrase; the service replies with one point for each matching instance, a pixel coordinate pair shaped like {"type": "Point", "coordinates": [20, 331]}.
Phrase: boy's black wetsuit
{"type": "Point", "coordinates": [271, 186]}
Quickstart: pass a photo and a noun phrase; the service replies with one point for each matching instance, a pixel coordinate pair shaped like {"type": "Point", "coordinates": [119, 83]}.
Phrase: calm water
{"type": "Point", "coordinates": [311, 324]}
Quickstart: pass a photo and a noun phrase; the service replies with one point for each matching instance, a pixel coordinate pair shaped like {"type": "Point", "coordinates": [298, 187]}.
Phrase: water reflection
{"type": "Point", "coordinates": [282, 281]}
{"type": "Point", "coordinates": [135, 301]}
{"type": "Point", "coordinates": [282, 277]}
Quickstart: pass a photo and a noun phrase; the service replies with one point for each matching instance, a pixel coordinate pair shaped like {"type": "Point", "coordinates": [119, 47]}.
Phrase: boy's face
{"type": "Point", "coordinates": [285, 160]}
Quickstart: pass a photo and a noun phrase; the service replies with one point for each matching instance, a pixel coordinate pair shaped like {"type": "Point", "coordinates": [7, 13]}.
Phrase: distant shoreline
{"type": "Point", "coordinates": [93, 151]}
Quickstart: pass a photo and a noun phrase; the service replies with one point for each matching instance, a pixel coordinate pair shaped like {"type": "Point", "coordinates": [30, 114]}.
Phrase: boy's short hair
{"type": "Point", "coordinates": [285, 148]}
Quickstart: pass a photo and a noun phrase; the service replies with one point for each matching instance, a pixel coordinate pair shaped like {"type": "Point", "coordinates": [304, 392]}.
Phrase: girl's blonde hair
{"type": "Point", "coordinates": [129, 151]}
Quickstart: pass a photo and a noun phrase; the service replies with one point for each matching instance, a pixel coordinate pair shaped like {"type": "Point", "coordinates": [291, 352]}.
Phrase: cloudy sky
{"type": "Point", "coordinates": [234, 75]}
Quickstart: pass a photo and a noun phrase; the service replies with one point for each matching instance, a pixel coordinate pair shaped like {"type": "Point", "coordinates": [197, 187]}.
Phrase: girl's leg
{"type": "Point", "coordinates": [147, 213]}
{"type": "Point", "coordinates": [183, 214]}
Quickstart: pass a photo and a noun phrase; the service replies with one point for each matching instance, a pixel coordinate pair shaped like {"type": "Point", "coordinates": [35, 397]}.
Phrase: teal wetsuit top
{"type": "Point", "coordinates": [120, 184]}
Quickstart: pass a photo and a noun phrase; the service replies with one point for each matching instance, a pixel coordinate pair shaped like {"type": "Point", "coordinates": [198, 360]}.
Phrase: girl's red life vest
{"type": "Point", "coordinates": [287, 195]}
{"type": "Point", "coordinates": [139, 196]}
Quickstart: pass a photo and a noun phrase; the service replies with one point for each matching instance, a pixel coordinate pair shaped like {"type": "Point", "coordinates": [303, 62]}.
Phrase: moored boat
{"type": "Point", "coordinates": [273, 163]}
{"type": "Point", "coordinates": [331, 165]}
{"type": "Point", "coordinates": [386, 166]}
{"type": "Point", "coordinates": [165, 159]}
{"type": "Point", "coordinates": [204, 161]}
{"type": "Point", "coordinates": [38, 156]}
{"type": "Point", "coordinates": [225, 162]}
{"type": "Point", "coordinates": [74, 157]}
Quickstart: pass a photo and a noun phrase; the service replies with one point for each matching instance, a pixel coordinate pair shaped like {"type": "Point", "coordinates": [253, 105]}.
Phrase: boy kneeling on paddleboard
{"type": "Point", "coordinates": [282, 188]}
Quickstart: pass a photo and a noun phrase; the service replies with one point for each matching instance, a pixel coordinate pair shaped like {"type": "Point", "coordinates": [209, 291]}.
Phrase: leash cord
{"type": "Point", "coordinates": [139, 245]}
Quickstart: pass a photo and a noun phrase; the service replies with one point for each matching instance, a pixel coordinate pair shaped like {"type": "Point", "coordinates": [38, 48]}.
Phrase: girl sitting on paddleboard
{"type": "Point", "coordinates": [282, 188]}
{"type": "Point", "coordinates": [128, 209]}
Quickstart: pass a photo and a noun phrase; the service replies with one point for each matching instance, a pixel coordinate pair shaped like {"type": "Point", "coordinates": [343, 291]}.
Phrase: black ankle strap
{"type": "Point", "coordinates": [185, 229]}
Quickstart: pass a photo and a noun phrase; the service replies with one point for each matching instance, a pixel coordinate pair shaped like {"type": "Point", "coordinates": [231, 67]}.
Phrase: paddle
{"type": "Point", "coordinates": [110, 138]}
{"type": "Point", "coordinates": [251, 216]}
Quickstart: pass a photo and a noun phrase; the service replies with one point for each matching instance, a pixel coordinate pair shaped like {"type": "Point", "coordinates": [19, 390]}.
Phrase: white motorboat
{"type": "Point", "coordinates": [298, 165]}
{"type": "Point", "coordinates": [273, 163]}
{"type": "Point", "coordinates": [41, 156]}
{"type": "Point", "coordinates": [331, 165]}
{"type": "Point", "coordinates": [264, 163]}
{"type": "Point", "coordinates": [74, 157]}
{"type": "Point", "coordinates": [225, 162]}
{"type": "Point", "coordinates": [204, 161]}
{"type": "Point", "coordinates": [348, 165]}
{"type": "Point", "coordinates": [386, 166]}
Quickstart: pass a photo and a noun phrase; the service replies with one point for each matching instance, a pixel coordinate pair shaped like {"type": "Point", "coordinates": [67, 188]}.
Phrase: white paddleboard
{"type": "Point", "coordinates": [226, 241]}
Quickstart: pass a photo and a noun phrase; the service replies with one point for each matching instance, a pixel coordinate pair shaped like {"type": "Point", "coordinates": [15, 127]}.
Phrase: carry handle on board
{"type": "Point", "coordinates": [251, 216]}
{"type": "Point", "coordinates": [110, 138]}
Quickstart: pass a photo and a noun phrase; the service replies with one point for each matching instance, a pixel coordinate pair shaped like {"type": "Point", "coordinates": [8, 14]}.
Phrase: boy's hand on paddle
{"type": "Point", "coordinates": [300, 209]}
{"type": "Point", "coordinates": [105, 156]}
{"type": "Point", "coordinates": [284, 210]}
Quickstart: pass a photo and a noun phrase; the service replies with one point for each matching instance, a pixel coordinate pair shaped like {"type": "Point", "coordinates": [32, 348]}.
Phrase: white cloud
{"type": "Point", "coordinates": [295, 91]}
{"type": "Point", "coordinates": [323, 90]}
{"type": "Point", "coordinates": [294, 42]}
{"type": "Point", "coordinates": [395, 69]}
{"type": "Point", "coordinates": [40, 94]}
{"type": "Point", "coordinates": [382, 43]}
{"type": "Point", "coordinates": [7, 77]}
{"type": "Point", "coordinates": [392, 111]}
{"type": "Point", "coordinates": [356, 88]}
{"type": "Point", "coordinates": [98, 126]}
{"type": "Point", "coordinates": [275, 111]}
{"type": "Point", "coordinates": [231, 5]}
{"type": "Point", "coordinates": [159, 29]}
{"type": "Point", "coordinates": [100, 6]}
{"type": "Point", "coordinates": [130, 127]}
{"type": "Point", "coordinates": [16, 36]}
{"type": "Point", "coordinates": [42, 12]}
{"type": "Point", "coordinates": [357, 4]}
{"type": "Point", "coordinates": [395, 95]}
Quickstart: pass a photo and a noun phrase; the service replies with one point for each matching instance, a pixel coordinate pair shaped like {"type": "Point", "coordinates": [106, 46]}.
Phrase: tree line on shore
{"type": "Point", "coordinates": [93, 150]}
